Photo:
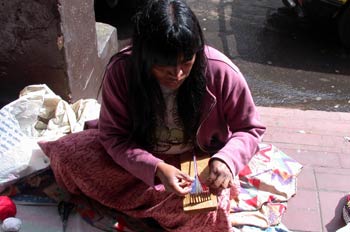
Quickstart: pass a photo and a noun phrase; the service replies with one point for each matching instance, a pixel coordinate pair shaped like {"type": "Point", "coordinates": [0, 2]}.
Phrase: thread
{"type": "Point", "coordinates": [197, 186]}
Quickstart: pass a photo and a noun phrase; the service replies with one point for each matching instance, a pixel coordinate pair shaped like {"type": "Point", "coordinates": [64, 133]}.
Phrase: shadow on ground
{"type": "Point", "coordinates": [266, 33]}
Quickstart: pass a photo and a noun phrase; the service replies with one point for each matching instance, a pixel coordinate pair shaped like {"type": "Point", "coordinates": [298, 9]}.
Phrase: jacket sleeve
{"type": "Point", "coordinates": [115, 126]}
{"type": "Point", "coordinates": [243, 121]}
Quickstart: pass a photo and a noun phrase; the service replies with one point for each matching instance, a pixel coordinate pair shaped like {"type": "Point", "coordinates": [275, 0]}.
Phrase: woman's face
{"type": "Point", "coordinates": [173, 76]}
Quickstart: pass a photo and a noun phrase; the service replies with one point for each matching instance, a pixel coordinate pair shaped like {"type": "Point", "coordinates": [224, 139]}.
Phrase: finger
{"type": "Point", "coordinates": [219, 181]}
{"type": "Point", "coordinates": [184, 184]}
{"type": "Point", "coordinates": [186, 177]}
{"type": "Point", "coordinates": [211, 178]}
{"type": "Point", "coordinates": [216, 191]}
{"type": "Point", "coordinates": [212, 175]}
{"type": "Point", "coordinates": [231, 184]}
{"type": "Point", "coordinates": [180, 191]}
{"type": "Point", "coordinates": [226, 183]}
{"type": "Point", "coordinates": [208, 181]}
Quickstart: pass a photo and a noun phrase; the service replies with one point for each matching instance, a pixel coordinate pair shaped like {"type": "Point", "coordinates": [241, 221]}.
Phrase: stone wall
{"type": "Point", "coordinates": [52, 42]}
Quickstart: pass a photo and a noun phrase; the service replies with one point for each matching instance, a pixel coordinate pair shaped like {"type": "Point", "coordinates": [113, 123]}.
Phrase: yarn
{"type": "Point", "coordinates": [7, 208]}
{"type": "Point", "coordinates": [11, 224]}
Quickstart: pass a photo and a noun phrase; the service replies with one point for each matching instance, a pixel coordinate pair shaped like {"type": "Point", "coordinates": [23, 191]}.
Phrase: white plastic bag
{"type": "Point", "coordinates": [38, 114]}
{"type": "Point", "coordinates": [19, 154]}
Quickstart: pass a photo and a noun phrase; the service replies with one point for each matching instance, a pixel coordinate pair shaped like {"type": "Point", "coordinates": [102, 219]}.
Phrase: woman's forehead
{"type": "Point", "coordinates": [173, 59]}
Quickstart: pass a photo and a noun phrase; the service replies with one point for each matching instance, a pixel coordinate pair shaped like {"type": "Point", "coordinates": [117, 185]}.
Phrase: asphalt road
{"type": "Point", "coordinates": [287, 62]}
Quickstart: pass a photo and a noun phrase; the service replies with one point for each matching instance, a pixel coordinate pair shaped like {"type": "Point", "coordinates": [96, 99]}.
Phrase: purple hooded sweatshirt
{"type": "Point", "coordinates": [229, 129]}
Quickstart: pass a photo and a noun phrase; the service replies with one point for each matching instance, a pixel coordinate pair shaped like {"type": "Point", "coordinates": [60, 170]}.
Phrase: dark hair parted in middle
{"type": "Point", "coordinates": [164, 31]}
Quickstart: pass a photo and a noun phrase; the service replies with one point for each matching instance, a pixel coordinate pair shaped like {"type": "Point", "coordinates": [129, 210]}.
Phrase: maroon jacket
{"type": "Point", "coordinates": [230, 129]}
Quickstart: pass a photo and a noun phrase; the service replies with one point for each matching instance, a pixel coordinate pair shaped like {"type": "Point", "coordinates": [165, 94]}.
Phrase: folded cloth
{"type": "Point", "coordinates": [267, 183]}
{"type": "Point", "coordinates": [346, 210]}
{"type": "Point", "coordinates": [346, 215]}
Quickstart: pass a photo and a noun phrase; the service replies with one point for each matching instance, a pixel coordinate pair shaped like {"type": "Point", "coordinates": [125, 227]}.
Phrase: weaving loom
{"type": "Point", "coordinates": [200, 199]}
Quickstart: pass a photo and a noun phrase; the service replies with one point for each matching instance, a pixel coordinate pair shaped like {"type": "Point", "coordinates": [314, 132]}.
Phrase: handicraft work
{"type": "Point", "coordinates": [200, 199]}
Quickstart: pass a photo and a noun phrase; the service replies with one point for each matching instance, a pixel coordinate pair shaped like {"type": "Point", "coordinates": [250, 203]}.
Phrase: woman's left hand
{"type": "Point", "coordinates": [220, 176]}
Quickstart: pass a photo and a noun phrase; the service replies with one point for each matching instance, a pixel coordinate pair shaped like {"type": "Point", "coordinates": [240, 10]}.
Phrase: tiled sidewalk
{"type": "Point", "coordinates": [320, 141]}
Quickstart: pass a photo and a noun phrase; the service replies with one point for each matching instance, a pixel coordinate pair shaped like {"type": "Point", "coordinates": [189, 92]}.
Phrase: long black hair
{"type": "Point", "coordinates": [164, 30]}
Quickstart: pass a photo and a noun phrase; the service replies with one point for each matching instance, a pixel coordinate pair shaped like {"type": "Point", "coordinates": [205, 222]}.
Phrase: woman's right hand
{"type": "Point", "coordinates": [173, 179]}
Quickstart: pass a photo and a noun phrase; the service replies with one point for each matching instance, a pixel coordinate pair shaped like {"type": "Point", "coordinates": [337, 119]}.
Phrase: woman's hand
{"type": "Point", "coordinates": [173, 179]}
{"type": "Point", "coordinates": [220, 176]}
